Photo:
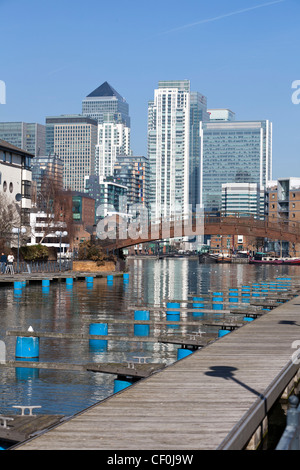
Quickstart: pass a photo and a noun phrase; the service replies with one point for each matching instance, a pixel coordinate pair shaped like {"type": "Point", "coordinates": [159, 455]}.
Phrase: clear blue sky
{"type": "Point", "coordinates": [241, 54]}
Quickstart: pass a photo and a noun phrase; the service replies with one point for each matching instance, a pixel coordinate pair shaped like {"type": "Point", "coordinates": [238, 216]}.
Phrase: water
{"type": "Point", "coordinates": [72, 310]}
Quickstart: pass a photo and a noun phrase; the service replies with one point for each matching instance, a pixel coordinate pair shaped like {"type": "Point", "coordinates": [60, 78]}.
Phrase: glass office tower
{"type": "Point", "coordinates": [106, 100]}
{"type": "Point", "coordinates": [111, 111]}
{"type": "Point", "coordinates": [233, 152]}
{"type": "Point", "coordinates": [27, 136]}
{"type": "Point", "coordinates": [73, 139]}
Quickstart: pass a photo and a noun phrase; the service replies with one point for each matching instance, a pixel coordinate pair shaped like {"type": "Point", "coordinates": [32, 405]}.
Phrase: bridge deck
{"type": "Point", "coordinates": [197, 402]}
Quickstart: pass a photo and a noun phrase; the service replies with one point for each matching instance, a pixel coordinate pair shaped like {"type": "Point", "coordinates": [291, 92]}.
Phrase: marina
{"type": "Point", "coordinates": [70, 360]}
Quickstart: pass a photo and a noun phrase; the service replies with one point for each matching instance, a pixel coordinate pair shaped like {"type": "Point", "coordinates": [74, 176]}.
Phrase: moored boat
{"type": "Point", "coordinates": [264, 258]}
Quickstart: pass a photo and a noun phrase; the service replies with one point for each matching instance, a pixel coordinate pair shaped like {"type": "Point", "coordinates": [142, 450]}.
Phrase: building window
{"type": "Point", "coordinates": [11, 187]}
{"type": "Point", "coordinates": [26, 189]}
{"type": "Point", "coordinates": [293, 195]}
{"type": "Point", "coordinates": [4, 186]}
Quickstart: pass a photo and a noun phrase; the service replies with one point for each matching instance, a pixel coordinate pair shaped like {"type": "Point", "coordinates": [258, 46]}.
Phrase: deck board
{"type": "Point", "coordinates": [192, 404]}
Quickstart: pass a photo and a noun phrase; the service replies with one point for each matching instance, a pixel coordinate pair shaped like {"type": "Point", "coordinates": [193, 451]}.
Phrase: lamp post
{"type": "Point", "coordinates": [60, 234]}
{"type": "Point", "coordinates": [18, 231]}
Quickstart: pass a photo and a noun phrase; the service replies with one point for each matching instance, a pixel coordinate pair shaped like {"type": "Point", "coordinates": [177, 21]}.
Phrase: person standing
{"type": "Point", "coordinates": [3, 261]}
{"type": "Point", "coordinates": [10, 263]}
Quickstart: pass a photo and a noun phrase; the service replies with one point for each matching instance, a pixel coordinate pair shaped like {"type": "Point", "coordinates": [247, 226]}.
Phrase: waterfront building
{"type": "Point", "coordinates": [283, 205]}
{"type": "Point", "coordinates": [74, 213]}
{"type": "Point", "coordinates": [16, 177]}
{"type": "Point", "coordinates": [27, 136]}
{"type": "Point", "coordinates": [174, 148]}
{"type": "Point", "coordinates": [238, 200]}
{"type": "Point", "coordinates": [73, 138]}
{"type": "Point", "coordinates": [42, 231]}
{"type": "Point", "coordinates": [243, 198]}
{"type": "Point", "coordinates": [233, 152]}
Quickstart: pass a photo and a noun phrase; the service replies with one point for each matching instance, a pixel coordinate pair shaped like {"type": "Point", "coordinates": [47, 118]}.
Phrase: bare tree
{"type": "Point", "coordinates": [9, 218]}
{"type": "Point", "coordinates": [56, 204]}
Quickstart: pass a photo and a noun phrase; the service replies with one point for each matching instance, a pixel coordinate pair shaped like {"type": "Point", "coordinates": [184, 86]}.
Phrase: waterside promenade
{"type": "Point", "coordinates": [215, 398]}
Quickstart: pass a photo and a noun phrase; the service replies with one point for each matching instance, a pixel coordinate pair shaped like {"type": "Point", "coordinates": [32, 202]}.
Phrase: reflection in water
{"type": "Point", "coordinates": [72, 309]}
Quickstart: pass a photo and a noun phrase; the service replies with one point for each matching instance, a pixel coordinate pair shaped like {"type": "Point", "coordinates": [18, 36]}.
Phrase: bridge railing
{"type": "Point", "coordinates": [290, 440]}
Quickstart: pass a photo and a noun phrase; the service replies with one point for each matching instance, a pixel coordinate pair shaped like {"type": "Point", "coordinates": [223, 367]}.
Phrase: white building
{"type": "Point", "coordinates": [113, 140]}
{"type": "Point", "coordinates": [15, 177]}
{"type": "Point", "coordinates": [42, 230]}
{"type": "Point", "coordinates": [243, 198]}
{"type": "Point", "coordinates": [169, 148]}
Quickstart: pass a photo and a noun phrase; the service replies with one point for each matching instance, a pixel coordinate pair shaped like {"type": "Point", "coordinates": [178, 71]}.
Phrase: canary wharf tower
{"type": "Point", "coordinates": [111, 111]}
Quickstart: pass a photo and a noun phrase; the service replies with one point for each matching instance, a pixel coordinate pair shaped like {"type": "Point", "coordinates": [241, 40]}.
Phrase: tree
{"type": "Point", "coordinates": [9, 218]}
{"type": "Point", "coordinates": [56, 204]}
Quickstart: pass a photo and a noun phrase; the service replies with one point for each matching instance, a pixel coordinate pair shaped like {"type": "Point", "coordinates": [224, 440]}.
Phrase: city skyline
{"type": "Point", "coordinates": [241, 57]}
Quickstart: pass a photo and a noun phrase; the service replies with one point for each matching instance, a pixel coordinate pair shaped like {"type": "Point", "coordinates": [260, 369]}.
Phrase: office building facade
{"type": "Point", "coordinates": [73, 139]}
{"type": "Point", "coordinates": [47, 169]}
{"type": "Point", "coordinates": [109, 195]}
{"type": "Point", "coordinates": [111, 111]}
{"type": "Point", "coordinates": [30, 137]}
{"type": "Point", "coordinates": [233, 152]}
{"type": "Point", "coordinates": [243, 199]}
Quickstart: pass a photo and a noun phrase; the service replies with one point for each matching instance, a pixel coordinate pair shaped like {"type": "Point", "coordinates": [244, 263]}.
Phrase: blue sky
{"type": "Point", "coordinates": [241, 54]}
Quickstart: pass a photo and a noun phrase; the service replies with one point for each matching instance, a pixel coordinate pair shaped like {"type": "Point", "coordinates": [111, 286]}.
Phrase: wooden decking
{"type": "Point", "coordinates": [212, 399]}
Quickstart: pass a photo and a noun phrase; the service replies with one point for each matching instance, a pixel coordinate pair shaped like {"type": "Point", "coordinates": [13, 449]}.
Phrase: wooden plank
{"type": "Point", "coordinates": [190, 339]}
{"type": "Point", "coordinates": [20, 428]}
{"type": "Point", "coordinates": [134, 369]}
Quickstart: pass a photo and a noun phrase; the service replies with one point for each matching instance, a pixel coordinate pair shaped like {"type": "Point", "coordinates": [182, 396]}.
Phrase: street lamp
{"type": "Point", "coordinates": [18, 231]}
{"type": "Point", "coordinates": [60, 234]}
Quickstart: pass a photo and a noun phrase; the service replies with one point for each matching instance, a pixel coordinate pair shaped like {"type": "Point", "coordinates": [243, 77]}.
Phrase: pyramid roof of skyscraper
{"type": "Point", "coordinates": [105, 90]}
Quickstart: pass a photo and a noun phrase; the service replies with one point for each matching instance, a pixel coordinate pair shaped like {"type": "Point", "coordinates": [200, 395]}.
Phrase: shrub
{"type": "Point", "coordinates": [34, 253]}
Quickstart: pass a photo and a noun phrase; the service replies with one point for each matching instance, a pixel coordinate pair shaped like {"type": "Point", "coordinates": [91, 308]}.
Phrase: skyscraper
{"type": "Point", "coordinates": [73, 138]}
{"type": "Point", "coordinates": [174, 147]}
{"type": "Point", "coordinates": [111, 111]}
{"type": "Point", "coordinates": [27, 136]}
{"type": "Point", "coordinates": [233, 152]}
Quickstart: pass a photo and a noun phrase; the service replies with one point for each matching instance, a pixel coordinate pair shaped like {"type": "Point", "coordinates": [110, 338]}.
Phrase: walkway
{"type": "Point", "coordinates": [200, 402]}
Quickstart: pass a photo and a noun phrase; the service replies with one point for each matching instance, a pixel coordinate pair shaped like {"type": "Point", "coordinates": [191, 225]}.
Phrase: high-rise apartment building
{"type": "Point", "coordinates": [111, 111]}
{"type": "Point", "coordinates": [73, 138]}
{"type": "Point", "coordinates": [133, 172]}
{"type": "Point", "coordinates": [113, 140]}
{"type": "Point", "coordinates": [174, 147]}
{"type": "Point", "coordinates": [27, 136]}
{"type": "Point", "coordinates": [233, 152]}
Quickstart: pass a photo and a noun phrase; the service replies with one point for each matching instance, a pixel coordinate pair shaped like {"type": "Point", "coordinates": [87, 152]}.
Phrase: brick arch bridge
{"type": "Point", "coordinates": [209, 224]}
